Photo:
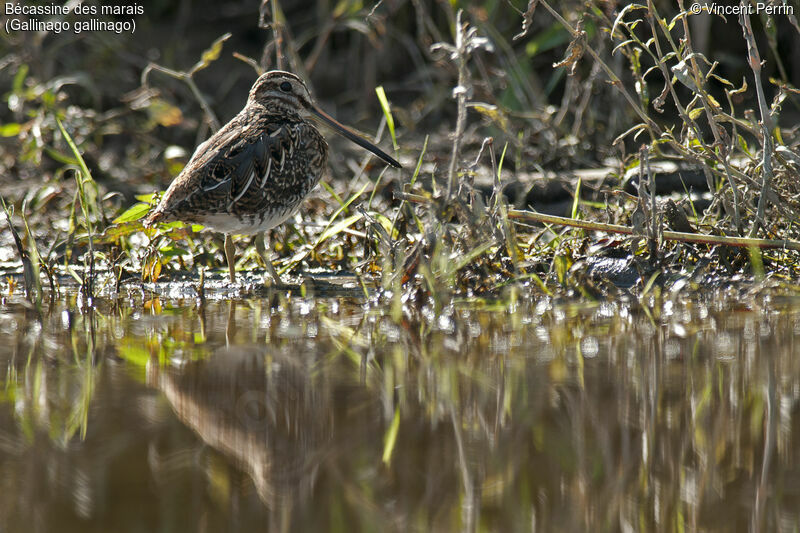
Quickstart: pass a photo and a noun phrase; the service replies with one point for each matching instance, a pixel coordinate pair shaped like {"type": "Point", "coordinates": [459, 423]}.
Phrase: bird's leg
{"type": "Point", "coordinates": [230, 327]}
{"type": "Point", "coordinates": [266, 254]}
{"type": "Point", "coordinates": [230, 253]}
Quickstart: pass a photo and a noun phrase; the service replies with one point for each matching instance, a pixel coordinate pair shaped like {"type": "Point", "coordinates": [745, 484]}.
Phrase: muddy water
{"type": "Point", "coordinates": [296, 414]}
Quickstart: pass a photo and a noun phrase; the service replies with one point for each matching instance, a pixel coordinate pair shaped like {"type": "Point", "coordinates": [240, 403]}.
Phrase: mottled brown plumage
{"type": "Point", "coordinates": [256, 170]}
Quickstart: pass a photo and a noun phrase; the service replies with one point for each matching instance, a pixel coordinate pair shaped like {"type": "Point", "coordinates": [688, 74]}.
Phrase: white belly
{"type": "Point", "coordinates": [248, 225]}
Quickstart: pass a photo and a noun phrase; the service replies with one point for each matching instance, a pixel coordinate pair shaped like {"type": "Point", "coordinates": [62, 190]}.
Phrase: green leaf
{"type": "Point", "coordinates": [135, 212]}
{"type": "Point", "coordinates": [648, 71]}
{"type": "Point", "coordinates": [19, 78]}
{"type": "Point", "coordinates": [677, 17]}
{"type": "Point", "coordinates": [211, 54]}
{"type": "Point", "coordinates": [163, 113]}
{"type": "Point", "coordinates": [147, 198]}
{"type": "Point", "coordinates": [741, 89]}
{"type": "Point", "coordinates": [721, 80]}
{"type": "Point", "coordinates": [623, 44]}
{"type": "Point", "coordinates": [115, 232]}
{"type": "Point", "coordinates": [743, 145]}
{"type": "Point", "coordinates": [492, 112]}
{"type": "Point", "coordinates": [695, 113]}
{"type": "Point", "coordinates": [637, 129]}
{"type": "Point", "coordinates": [172, 251]}
{"type": "Point", "coordinates": [387, 225]}
{"type": "Point", "coordinates": [61, 158]}
{"type": "Point", "coordinates": [622, 13]}
{"type": "Point", "coordinates": [10, 130]}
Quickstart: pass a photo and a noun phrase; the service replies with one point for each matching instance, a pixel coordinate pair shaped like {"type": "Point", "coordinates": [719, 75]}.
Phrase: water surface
{"type": "Point", "coordinates": [285, 413]}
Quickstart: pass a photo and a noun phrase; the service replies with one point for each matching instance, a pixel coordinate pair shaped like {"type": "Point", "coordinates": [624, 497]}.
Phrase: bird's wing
{"type": "Point", "coordinates": [234, 166]}
{"type": "Point", "coordinates": [249, 166]}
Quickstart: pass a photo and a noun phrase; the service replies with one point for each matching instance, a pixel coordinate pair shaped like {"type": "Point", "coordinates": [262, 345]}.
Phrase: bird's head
{"type": "Point", "coordinates": [283, 92]}
{"type": "Point", "coordinates": [280, 89]}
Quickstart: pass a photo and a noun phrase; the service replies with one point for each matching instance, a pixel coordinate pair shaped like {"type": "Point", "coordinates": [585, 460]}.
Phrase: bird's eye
{"type": "Point", "coordinates": [286, 87]}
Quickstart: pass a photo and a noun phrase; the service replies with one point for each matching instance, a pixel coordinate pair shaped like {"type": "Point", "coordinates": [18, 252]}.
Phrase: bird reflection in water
{"type": "Point", "coordinates": [259, 410]}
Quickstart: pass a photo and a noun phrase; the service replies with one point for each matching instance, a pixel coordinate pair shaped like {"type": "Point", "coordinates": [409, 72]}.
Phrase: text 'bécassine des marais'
{"type": "Point", "coordinates": [78, 9]}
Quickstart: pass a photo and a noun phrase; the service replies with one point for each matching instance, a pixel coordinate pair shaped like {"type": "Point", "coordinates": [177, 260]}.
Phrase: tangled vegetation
{"type": "Point", "coordinates": [493, 110]}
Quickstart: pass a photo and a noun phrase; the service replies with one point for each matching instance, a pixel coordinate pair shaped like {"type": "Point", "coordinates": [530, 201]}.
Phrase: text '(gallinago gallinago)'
{"type": "Point", "coordinates": [255, 171]}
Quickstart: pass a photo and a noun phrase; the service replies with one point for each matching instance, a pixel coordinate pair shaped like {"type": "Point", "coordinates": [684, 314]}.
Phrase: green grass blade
{"type": "Point", "coordinates": [577, 200]}
{"type": "Point", "coordinates": [391, 437]}
{"type": "Point", "coordinates": [83, 178]}
{"type": "Point", "coordinates": [387, 112]}
{"type": "Point", "coordinates": [419, 161]}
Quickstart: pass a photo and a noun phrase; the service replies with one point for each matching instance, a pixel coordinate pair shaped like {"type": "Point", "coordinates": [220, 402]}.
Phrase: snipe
{"type": "Point", "coordinates": [254, 172]}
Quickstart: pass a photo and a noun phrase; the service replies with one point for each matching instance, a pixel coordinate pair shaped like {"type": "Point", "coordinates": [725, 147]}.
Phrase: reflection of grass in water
{"type": "Point", "coordinates": [55, 400]}
{"type": "Point", "coordinates": [586, 404]}
{"type": "Point", "coordinates": [78, 419]}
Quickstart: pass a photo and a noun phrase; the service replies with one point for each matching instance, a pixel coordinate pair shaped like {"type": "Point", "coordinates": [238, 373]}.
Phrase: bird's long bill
{"type": "Point", "coordinates": [350, 134]}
